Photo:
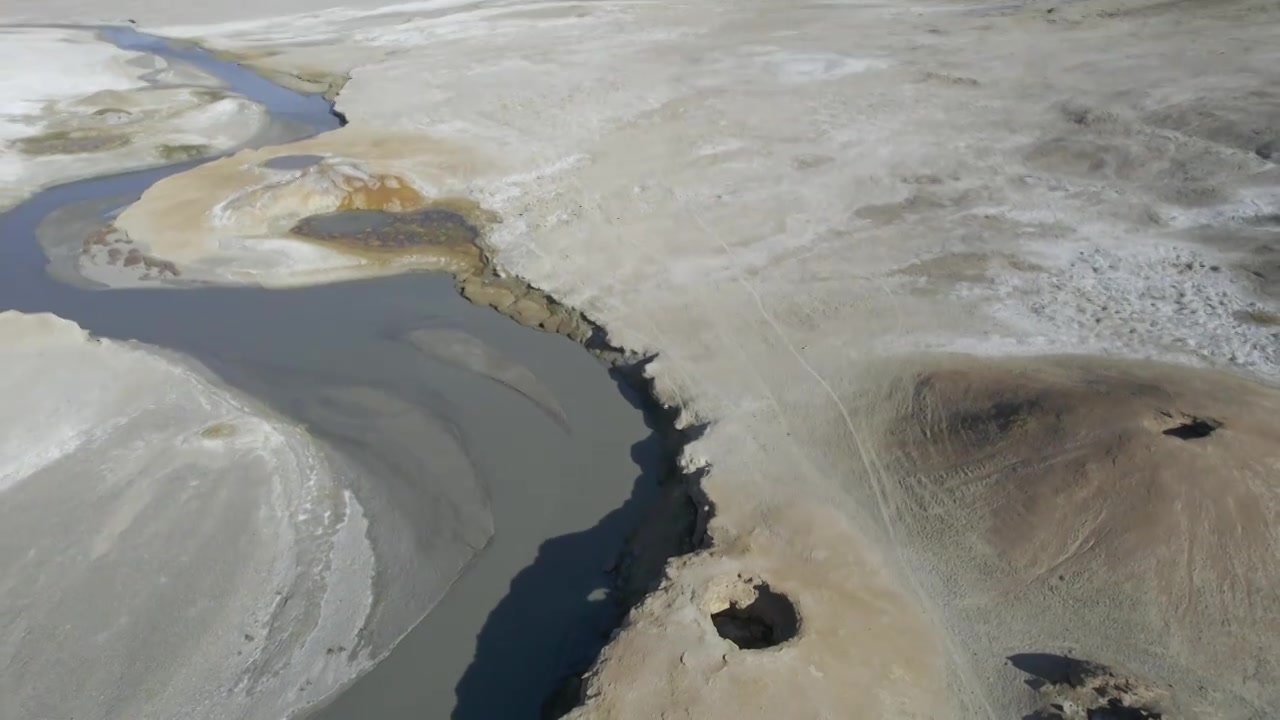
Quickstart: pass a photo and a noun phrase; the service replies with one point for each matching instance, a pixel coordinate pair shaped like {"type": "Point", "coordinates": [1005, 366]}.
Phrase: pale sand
{"type": "Point", "coordinates": [168, 543]}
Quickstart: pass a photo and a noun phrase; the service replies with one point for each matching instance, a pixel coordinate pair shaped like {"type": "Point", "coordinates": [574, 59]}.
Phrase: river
{"type": "Point", "coordinates": [534, 604]}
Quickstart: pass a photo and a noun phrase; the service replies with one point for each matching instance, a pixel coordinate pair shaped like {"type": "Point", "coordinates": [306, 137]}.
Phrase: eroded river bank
{"type": "Point", "coordinates": [452, 423]}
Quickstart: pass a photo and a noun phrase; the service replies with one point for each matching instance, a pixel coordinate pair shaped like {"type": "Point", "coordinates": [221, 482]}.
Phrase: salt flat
{"type": "Point", "coordinates": [186, 552]}
{"type": "Point", "coordinates": [81, 107]}
{"type": "Point", "coordinates": [781, 201]}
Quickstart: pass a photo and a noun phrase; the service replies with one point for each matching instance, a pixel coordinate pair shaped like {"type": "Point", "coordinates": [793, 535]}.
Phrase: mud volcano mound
{"type": "Point", "coordinates": [1128, 510]}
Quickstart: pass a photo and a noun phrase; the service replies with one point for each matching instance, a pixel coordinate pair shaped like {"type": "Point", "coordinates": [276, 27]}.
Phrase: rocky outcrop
{"type": "Point", "coordinates": [525, 304]}
{"type": "Point", "coordinates": [1072, 689]}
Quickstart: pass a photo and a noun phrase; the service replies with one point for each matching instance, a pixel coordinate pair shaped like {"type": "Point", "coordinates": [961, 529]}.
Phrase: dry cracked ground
{"type": "Point", "coordinates": [971, 311]}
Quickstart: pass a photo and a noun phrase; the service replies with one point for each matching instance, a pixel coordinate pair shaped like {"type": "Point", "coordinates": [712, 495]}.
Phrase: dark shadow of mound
{"type": "Point", "coordinates": [1193, 429]}
{"type": "Point", "coordinates": [1073, 689]}
{"type": "Point", "coordinates": [1046, 668]}
{"type": "Point", "coordinates": [560, 610]}
{"type": "Point", "coordinates": [552, 621]}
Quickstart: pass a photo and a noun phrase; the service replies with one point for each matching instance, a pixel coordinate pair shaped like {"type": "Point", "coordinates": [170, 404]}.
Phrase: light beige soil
{"type": "Point", "coordinates": [793, 206]}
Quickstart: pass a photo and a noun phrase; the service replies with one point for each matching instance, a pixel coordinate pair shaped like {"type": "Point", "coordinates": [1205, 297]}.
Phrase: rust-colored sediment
{"type": "Point", "coordinates": [382, 192]}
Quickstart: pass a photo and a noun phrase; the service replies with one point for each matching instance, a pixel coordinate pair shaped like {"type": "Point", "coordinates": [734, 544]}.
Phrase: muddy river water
{"type": "Point", "coordinates": [565, 468]}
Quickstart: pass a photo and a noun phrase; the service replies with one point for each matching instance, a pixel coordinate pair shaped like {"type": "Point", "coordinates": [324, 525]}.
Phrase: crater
{"type": "Point", "coordinates": [753, 616]}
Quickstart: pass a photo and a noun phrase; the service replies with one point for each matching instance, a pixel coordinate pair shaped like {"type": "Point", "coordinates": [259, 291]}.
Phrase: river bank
{"type": "Point", "coordinates": [452, 424]}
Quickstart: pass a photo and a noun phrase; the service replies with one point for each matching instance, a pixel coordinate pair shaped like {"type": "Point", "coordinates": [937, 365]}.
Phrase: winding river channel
{"type": "Point", "coordinates": [356, 364]}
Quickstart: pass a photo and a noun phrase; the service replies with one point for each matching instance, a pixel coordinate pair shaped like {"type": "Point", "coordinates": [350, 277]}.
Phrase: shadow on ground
{"type": "Point", "coordinates": [560, 610]}
{"type": "Point", "coordinates": [1074, 689]}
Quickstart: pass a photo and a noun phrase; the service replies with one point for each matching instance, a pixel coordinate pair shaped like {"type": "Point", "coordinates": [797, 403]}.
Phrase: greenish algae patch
{"type": "Point", "coordinates": [71, 142]}
{"type": "Point", "coordinates": [449, 230]}
{"type": "Point", "coordinates": [218, 431]}
{"type": "Point", "coordinates": [209, 96]}
{"type": "Point", "coordinates": [178, 153]}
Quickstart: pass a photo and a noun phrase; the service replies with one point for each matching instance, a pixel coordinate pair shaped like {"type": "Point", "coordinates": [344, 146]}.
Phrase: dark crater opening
{"type": "Point", "coordinates": [1193, 428]}
{"type": "Point", "coordinates": [768, 620]}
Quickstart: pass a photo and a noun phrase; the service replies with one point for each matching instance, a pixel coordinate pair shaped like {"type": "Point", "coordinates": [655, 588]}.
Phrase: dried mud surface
{"type": "Point", "coordinates": [1130, 507]}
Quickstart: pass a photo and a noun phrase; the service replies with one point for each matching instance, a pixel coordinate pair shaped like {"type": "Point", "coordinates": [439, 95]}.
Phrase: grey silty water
{"type": "Point", "coordinates": [292, 162]}
{"type": "Point", "coordinates": [562, 502]}
{"type": "Point", "coordinates": [311, 111]}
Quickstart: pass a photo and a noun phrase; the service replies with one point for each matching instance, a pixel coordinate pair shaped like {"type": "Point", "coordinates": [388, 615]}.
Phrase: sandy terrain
{"type": "Point", "coordinates": [88, 108]}
{"type": "Point", "coordinates": [1127, 510]}
{"type": "Point", "coordinates": [798, 207]}
{"type": "Point", "coordinates": [167, 543]}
